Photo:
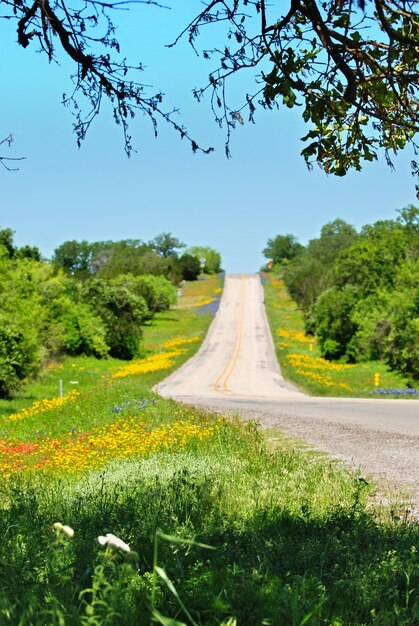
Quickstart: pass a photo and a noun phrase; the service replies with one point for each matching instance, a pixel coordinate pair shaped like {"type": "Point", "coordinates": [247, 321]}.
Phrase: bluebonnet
{"type": "Point", "coordinates": [409, 392]}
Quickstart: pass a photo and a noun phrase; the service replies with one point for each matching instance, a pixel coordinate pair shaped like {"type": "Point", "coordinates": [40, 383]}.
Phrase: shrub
{"type": "Point", "coordinates": [333, 320]}
{"type": "Point", "coordinates": [189, 266]}
{"type": "Point", "coordinates": [19, 355]}
{"type": "Point", "coordinates": [122, 311]}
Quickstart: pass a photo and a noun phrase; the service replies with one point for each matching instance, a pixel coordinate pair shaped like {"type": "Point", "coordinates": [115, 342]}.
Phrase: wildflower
{"type": "Point", "coordinates": [113, 542]}
{"type": "Point", "coordinates": [67, 530]}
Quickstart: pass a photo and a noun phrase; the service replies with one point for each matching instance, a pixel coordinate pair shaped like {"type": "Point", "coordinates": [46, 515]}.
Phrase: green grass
{"type": "Point", "coordinates": [295, 538]}
{"type": "Point", "coordinates": [91, 376]}
{"type": "Point", "coordinates": [300, 359]}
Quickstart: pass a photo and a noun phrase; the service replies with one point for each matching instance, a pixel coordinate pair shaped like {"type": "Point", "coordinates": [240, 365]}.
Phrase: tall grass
{"type": "Point", "coordinates": [227, 529]}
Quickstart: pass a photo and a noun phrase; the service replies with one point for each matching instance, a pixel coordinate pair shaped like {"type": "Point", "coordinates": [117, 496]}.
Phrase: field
{"type": "Point", "coordinates": [301, 363]}
{"type": "Point", "coordinates": [121, 508]}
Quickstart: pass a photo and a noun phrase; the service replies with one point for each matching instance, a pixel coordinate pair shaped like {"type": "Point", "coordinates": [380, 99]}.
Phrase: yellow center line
{"type": "Point", "coordinates": [231, 363]}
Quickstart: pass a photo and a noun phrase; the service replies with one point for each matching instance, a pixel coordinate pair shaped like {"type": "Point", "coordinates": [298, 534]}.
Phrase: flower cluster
{"type": "Point", "coordinates": [113, 542]}
{"type": "Point", "coordinates": [42, 406]}
{"type": "Point", "coordinates": [319, 370]}
{"type": "Point", "coordinates": [179, 341]}
{"type": "Point", "coordinates": [67, 530]}
{"type": "Point", "coordinates": [152, 363]}
{"type": "Point", "coordinates": [398, 393]}
{"type": "Point", "coordinates": [138, 405]}
{"type": "Point", "coordinates": [294, 335]}
{"type": "Point", "coordinates": [82, 451]}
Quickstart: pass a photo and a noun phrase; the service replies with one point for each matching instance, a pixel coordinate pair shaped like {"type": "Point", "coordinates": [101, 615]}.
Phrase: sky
{"type": "Point", "coordinates": [234, 205]}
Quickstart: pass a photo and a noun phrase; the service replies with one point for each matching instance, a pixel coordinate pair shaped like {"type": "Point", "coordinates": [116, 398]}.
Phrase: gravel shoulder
{"type": "Point", "coordinates": [236, 370]}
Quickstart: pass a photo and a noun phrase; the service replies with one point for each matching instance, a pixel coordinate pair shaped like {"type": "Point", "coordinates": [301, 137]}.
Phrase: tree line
{"type": "Point", "coordinates": [89, 299]}
{"type": "Point", "coordinates": [358, 291]}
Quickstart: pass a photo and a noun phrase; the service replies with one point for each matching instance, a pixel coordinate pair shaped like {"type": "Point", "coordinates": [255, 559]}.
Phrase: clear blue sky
{"type": "Point", "coordinates": [96, 193]}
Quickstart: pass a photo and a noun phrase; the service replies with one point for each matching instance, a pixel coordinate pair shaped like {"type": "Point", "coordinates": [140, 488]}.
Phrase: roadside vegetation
{"type": "Point", "coordinates": [302, 362]}
{"type": "Point", "coordinates": [121, 508]}
{"type": "Point", "coordinates": [92, 299]}
{"type": "Point", "coordinates": [352, 327]}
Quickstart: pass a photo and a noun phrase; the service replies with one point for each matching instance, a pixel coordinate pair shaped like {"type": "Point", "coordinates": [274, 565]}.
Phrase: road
{"type": "Point", "coordinates": [236, 370]}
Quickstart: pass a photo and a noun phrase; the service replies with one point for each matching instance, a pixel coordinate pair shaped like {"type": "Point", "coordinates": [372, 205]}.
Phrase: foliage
{"type": "Point", "coordinates": [282, 247]}
{"type": "Point", "coordinates": [93, 299]}
{"type": "Point", "coordinates": [101, 72]}
{"type": "Point", "coordinates": [109, 259]}
{"type": "Point", "coordinates": [212, 258]}
{"type": "Point", "coordinates": [334, 325]}
{"type": "Point", "coordinates": [230, 528]}
{"type": "Point", "coordinates": [189, 266]}
{"type": "Point", "coordinates": [351, 68]}
{"type": "Point", "coordinates": [74, 257]}
{"type": "Point", "coordinates": [359, 293]}
{"type": "Point", "coordinates": [22, 319]}
{"type": "Point", "coordinates": [83, 332]}
{"type": "Point", "coordinates": [18, 355]}
{"type": "Point", "coordinates": [122, 311]}
{"type": "Point", "coordinates": [166, 245]}
{"type": "Point", "coordinates": [158, 292]}
{"type": "Point", "coordinates": [299, 354]}
{"type": "Point", "coordinates": [312, 271]}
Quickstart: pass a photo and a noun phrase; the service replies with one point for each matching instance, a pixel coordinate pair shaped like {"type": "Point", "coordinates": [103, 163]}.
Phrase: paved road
{"type": "Point", "coordinates": [236, 369]}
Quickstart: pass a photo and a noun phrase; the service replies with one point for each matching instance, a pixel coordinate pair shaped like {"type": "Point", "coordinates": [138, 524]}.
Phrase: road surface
{"type": "Point", "coordinates": [236, 369]}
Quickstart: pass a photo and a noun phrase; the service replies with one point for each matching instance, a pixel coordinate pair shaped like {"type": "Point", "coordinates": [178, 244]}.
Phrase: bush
{"type": "Point", "coordinates": [121, 310]}
{"type": "Point", "coordinates": [189, 266]}
{"type": "Point", "coordinates": [333, 321]}
{"type": "Point", "coordinates": [83, 331]}
{"type": "Point", "coordinates": [19, 356]}
{"type": "Point", "coordinates": [158, 292]}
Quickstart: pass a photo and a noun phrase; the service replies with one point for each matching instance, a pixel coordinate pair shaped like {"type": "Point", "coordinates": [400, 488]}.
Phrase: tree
{"type": "Point", "coordinates": [282, 247]}
{"type": "Point", "coordinates": [6, 161]}
{"type": "Point", "coordinates": [74, 257]}
{"type": "Point", "coordinates": [6, 240]}
{"type": "Point", "coordinates": [313, 270]}
{"type": "Point", "coordinates": [212, 258]}
{"type": "Point", "coordinates": [166, 245]}
{"type": "Point", "coordinates": [352, 67]}
{"type": "Point", "coordinates": [189, 266]}
{"type": "Point", "coordinates": [122, 311]}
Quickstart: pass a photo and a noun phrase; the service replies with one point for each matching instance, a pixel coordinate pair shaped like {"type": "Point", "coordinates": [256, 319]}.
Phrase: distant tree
{"type": "Point", "coordinates": [371, 261]}
{"type": "Point", "coordinates": [189, 266]}
{"type": "Point", "coordinates": [6, 240]}
{"type": "Point", "coordinates": [282, 247]}
{"type": "Point", "coordinates": [166, 245]}
{"type": "Point", "coordinates": [29, 252]}
{"type": "Point", "coordinates": [120, 257]}
{"type": "Point", "coordinates": [212, 258]}
{"type": "Point", "coordinates": [74, 257]}
{"type": "Point", "coordinates": [313, 270]}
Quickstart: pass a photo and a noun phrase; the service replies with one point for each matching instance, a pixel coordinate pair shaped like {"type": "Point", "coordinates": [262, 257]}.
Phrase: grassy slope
{"type": "Point", "coordinates": [295, 542]}
{"type": "Point", "coordinates": [300, 360]}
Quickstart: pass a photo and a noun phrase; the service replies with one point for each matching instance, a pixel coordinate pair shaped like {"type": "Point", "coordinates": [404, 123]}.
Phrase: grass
{"type": "Point", "coordinates": [224, 525]}
{"type": "Point", "coordinates": [301, 362]}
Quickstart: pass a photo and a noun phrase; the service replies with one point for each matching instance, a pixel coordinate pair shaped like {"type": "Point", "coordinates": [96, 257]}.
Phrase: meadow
{"type": "Point", "coordinates": [302, 364]}
{"type": "Point", "coordinates": [119, 507]}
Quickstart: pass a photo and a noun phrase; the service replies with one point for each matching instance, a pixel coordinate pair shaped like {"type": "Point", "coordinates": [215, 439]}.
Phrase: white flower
{"type": "Point", "coordinates": [67, 530]}
{"type": "Point", "coordinates": [114, 542]}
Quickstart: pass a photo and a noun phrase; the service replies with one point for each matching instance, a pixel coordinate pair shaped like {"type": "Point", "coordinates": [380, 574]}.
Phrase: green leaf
{"type": "Point", "coordinates": [187, 542]}
{"type": "Point", "coordinates": [169, 584]}
{"type": "Point", "coordinates": [166, 621]}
